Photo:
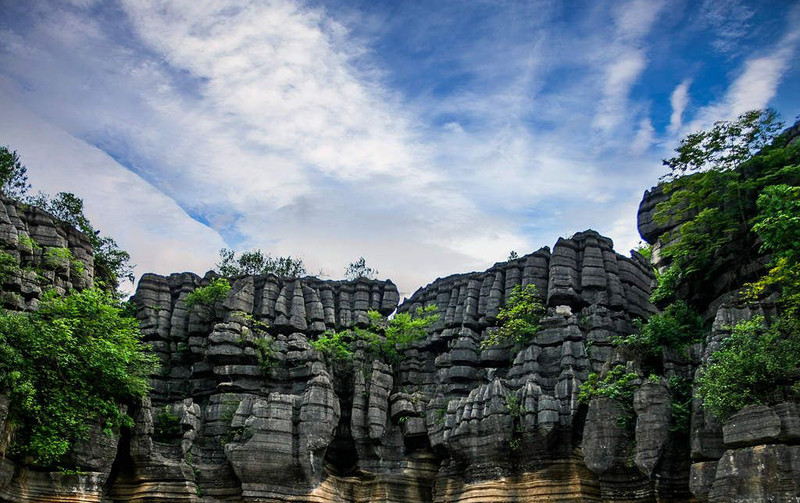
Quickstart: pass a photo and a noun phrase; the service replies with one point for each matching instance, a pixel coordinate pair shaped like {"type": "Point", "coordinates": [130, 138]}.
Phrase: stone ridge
{"type": "Point", "coordinates": [29, 235]}
{"type": "Point", "coordinates": [451, 422]}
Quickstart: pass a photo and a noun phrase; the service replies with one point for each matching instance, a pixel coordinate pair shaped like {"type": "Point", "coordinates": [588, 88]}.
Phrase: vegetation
{"type": "Point", "coordinates": [207, 297]}
{"type": "Point", "coordinates": [111, 263]}
{"type": "Point", "coordinates": [257, 262]}
{"type": "Point", "coordinates": [727, 144]}
{"type": "Point", "coordinates": [676, 327]}
{"type": "Point", "coordinates": [619, 384]}
{"type": "Point", "coordinates": [384, 338]}
{"type": "Point", "coordinates": [519, 319]}
{"type": "Point", "coordinates": [13, 174]}
{"type": "Point", "coordinates": [358, 269]}
{"type": "Point", "coordinates": [68, 365]}
{"type": "Point", "coordinates": [756, 364]}
{"type": "Point", "coordinates": [744, 198]}
{"type": "Point", "coordinates": [718, 206]}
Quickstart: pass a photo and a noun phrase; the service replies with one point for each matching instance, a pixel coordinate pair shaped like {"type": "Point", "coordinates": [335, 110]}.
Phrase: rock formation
{"type": "Point", "coordinates": [245, 410]}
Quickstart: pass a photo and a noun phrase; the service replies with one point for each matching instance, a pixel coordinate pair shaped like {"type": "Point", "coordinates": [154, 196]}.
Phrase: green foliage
{"type": "Point", "coordinates": [257, 262]}
{"type": "Point", "coordinates": [756, 365]}
{"type": "Point", "coordinates": [207, 297]}
{"type": "Point", "coordinates": [384, 338]}
{"type": "Point", "coordinates": [726, 145]}
{"type": "Point", "coordinates": [645, 250]}
{"type": "Point", "coordinates": [519, 318]}
{"type": "Point", "coordinates": [71, 362]}
{"type": "Point", "coordinates": [28, 242]}
{"type": "Point", "coordinates": [359, 269]}
{"type": "Point", "coordinates": [677, 326]}
{"type": "Point", "coordinates": [265, 352]}
{"type": "Point", "coordinates": [13, 174]}
{"type": "Point", "coordinates": [61, 258]}
{"type": "Point", "coordinates": [335, 345]}
{"type": "Point", "coordinates": [618, 384]}
{"type": "Point", "coordinates": [717, 207]}
{"type": "Point", "coordinates": [680, 404]}
{"type": "Point", "coordinates": [110, 262]}
{"type": "Point", "coordinates": [167, 424]}
{"type": "Point", "coordinates": [513, 255]}
{"type": "Point", "coordinates": [9, 264]}
{"type": "Point", "coordinates": [778, 226]}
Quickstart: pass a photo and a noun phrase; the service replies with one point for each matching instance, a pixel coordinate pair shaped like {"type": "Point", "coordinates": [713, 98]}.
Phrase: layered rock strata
{"type": "Point", "coordinates": [244, 409]}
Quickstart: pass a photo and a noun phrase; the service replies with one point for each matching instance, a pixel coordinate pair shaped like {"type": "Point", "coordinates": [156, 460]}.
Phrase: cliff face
{"type": "Point", "coordinates": [754, 455]}
{"type": "Point", "coordinates": [244, 409]}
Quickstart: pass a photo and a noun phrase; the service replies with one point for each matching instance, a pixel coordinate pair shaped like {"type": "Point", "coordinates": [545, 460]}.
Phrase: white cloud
{"type": "Point", "coordinates": [149, 225]}
{"type": "Point", "coordinates": [758, 81]}
{"type": "Point", "coordinates": [644, 136]}
{"type": "Point", "coordinates": [678, 100]}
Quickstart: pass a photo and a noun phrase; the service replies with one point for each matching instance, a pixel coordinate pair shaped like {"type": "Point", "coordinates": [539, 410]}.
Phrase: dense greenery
{"type": "Point", "coordinates": [718, 207]}
{"type": "Point", "coordinates": [384, 338]}
{"type": "Point", "coordinates": [676, 327]}
{"type": "Point", "coordinates": [756, 364]}
{"type": "Point", "coordinates": [258, 262]}
{"type": "Point", "coordinates": [359, 269]}
{"type": "Point", "coordinates": [519, 318]}
{"type": "Point", "coordinates": [745, 202]}
{"type": "Point", "coordinates": [618, 383]}
{"type": "Point", "coordinates": [68, 365]}
{"type": "Point", "coordinates": [206, 298]}
{"type": "Point", "coordinates": [111, 262]}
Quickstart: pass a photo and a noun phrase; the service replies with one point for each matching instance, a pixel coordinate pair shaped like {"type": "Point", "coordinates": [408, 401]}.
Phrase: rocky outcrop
{"type": "Point", "coordinates": [39, 252]}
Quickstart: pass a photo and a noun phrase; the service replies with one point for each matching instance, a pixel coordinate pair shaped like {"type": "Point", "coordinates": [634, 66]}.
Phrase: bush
{"type": "Point", "coordinates": [207, 297]}
{"type": "Point", "coordinates": [676, 327]}
{"type": "Point", "coordinates": [67, 365]}
{"type": "Point", "coordinates": [755, 365]}
{"type": "Point", "coordinates": [519, 319]}
{"type": "Point", "coordinates": [618, 384]}
{"type": "Point", "coordinates": [384, 338]}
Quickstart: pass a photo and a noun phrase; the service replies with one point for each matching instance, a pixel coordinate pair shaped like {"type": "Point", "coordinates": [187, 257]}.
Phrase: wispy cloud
{"type": "Point", "coordinates": [678, 101]}
{"type": "Point", "coordinates": [431, 138]}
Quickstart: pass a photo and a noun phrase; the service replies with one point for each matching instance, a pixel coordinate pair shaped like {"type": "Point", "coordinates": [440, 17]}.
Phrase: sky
{"type": "Point", "coordinates": [430, 137]}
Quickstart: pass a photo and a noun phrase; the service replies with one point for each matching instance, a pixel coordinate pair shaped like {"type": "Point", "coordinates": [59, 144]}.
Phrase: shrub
{"type": "Point", "coordinates": [72, 362]}
{"type": "Point", "coordinates": [384, 338]}
{"type": "Point", "coordinates": [618, 384]}
{"type": "Point", "coordinates": [755, 365]}
{"type": "Point", "coordinates": [207, 297]}
{"type": "Point", "coordinates": [519, 319]}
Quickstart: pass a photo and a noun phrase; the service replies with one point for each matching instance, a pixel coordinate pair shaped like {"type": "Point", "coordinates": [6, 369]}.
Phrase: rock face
{"type": "Point", "coordinates": [245, 410]}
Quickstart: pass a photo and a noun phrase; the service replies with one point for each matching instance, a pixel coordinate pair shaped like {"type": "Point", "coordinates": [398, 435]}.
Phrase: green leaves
{"type": "Point", "coordinates": [519, 318]}
{"type": "Point", "coordinates": [206, 297]}
{"type": "Point", "coordinates": [257, 262]}
{"type": "Point", "coordinates": [726, 145]}
{"type": "Point", "coordinates": [13, 175]}
{"type": "Point", "coordinates": [71, 363]}
{"type": "Point", "coordinates": [756, 364]}
{"type": "Point", "coordinates": [384, 338]}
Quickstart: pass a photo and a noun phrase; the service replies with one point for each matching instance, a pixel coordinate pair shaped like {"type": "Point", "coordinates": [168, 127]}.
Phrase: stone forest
{"type": "Point", "coordinates": [569, 374]}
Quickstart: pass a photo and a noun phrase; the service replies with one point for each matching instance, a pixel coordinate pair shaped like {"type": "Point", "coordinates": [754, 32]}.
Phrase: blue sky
{"type": "Point", "coordinates": [431, 137]}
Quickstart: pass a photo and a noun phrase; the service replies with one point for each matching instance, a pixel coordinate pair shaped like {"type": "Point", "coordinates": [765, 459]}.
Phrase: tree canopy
{"type": "Point", "coordinates": [257, 262]}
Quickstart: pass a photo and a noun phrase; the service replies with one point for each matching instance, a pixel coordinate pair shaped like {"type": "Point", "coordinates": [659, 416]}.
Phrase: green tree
{"type": "Point", "coordinates": [111, 263]}
{"type": "Point", "coordinates": [257, 262]}
{"type": "Point", "coordinates": [359, 269]}
{"type": "Point", "coordinates": [727, 144]}
{"type": "Point", "coordinates": [13, 174]}
{"type": "Point", "coordinates": [519, 318]}
{"type": "Point", "coordinates": [71, 363]}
